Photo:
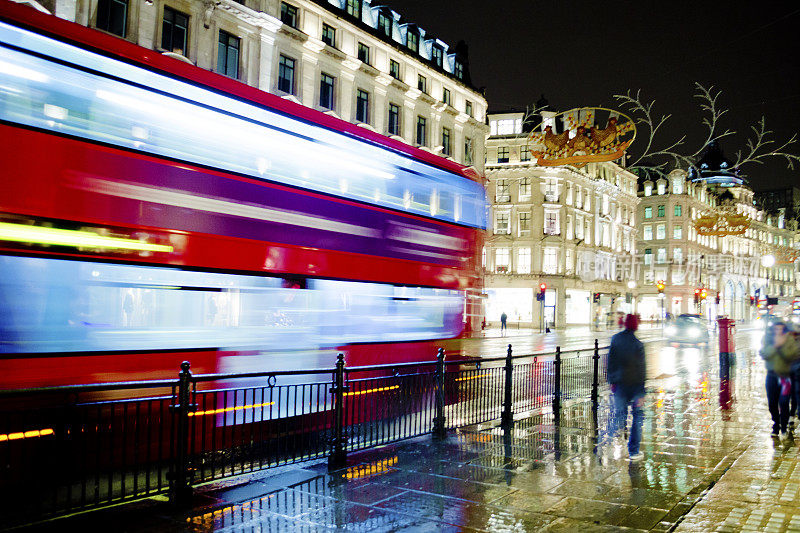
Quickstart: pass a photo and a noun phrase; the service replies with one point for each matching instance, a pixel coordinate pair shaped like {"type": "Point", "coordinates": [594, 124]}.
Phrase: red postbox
{"type": "Point", "coordinates": [727, 357]}
{"type": "Point", "coordinates": [727, 335]}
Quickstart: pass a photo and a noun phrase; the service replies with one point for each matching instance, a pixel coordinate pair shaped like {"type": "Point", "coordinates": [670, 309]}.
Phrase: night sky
{"type": "Point", "coordinates": [582, 52]}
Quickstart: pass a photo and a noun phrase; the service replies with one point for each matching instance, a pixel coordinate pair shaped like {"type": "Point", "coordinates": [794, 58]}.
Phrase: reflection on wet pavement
{"type": "Point", "coordinates": [709, 465]}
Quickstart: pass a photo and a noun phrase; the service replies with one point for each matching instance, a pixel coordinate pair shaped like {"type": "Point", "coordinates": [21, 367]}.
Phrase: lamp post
{"type": "Point", "coordinates": [767, 261]}
{"type": "Point", "coordinates": [632, 299]}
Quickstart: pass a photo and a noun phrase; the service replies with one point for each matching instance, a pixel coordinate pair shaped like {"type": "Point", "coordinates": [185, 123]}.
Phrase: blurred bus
{"type": "Point", "coordinates": [153, 212]}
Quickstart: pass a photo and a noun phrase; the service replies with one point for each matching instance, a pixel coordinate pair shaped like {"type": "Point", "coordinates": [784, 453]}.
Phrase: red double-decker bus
{"type": "Point", "coordinates": [153, 212]}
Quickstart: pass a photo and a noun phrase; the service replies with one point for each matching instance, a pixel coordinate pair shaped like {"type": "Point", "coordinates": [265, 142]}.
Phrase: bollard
{"type": "Point", "coordinates": [595, 375]}
{"type": "Point", "coordinates": [439, 430]}
{"type": "Point", "coordinates": [557, 383]}
{"type": "Point", "coordinates": [181, 490]}
{"type": "Point", "coordinates": [338, 455]}
{"type": "Point", "coordinates": [507, 419]}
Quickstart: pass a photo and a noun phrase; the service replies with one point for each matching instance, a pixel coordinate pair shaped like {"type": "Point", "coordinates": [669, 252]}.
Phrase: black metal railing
{"type": "Point", "coordinates": [66, 449]}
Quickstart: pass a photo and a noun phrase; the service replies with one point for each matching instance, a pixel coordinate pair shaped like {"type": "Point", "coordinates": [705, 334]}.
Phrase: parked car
{"type": "Point", "coordinates": [687, 329]}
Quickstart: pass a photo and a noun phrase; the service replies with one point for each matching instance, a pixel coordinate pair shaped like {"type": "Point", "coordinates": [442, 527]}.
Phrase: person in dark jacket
{"type": "Point", "coordinates": [626, 374]}
{"type": "Point", "coordinates": [780, 352]}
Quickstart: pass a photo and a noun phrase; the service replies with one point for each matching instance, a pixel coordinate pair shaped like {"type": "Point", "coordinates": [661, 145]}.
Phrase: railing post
{"type": "Point", "coordinates": [507, 419]}
{"type": "Point", "coordinates": [557, 383]}
{"type": "Point", "coordinates": [338, 455]}
{"type": "Point", "coordinates": [596, 375]}
{"type": "Point", "coordinates": [181, 477]}
{"type": "Point", "coordinates": [439, 430]}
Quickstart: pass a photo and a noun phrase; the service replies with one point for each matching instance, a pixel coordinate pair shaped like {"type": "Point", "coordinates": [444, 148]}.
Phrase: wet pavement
{"type": "Point", "coordinates": [709, 465]}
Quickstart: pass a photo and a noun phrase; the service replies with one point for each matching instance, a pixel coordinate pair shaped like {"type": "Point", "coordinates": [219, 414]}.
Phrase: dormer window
{"type": "Point", "coordinates": [384, 24]}
{"type": "Point", "coordinates": [662, 187]}
{"type": "Point", "coordinates": [458, 69]}
{"type": "Point", "coordinates": [412, 41]}
{"type": "Point", "coordinates": [354, 8]}
{"type": "Point", "coordinates": [436, 56]}
{"type": "Point", "coordinates": [648, 188]}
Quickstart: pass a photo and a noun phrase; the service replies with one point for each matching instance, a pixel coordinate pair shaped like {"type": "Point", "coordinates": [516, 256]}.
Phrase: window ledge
{"type": "Point", "coordinates": [399, 84]}
{"type": "Point", "coordinates": [334, 52]}
{"type": "Point", "coordinates": [294, 33]}
{"type": "Point", "coordinates": [369, 69]}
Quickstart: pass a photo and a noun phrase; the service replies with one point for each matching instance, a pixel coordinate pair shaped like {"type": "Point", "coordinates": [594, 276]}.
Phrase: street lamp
{"type": "Point", "coordinates": [631, 284]}
{"type": "Point", "coordinates": [767, 261]}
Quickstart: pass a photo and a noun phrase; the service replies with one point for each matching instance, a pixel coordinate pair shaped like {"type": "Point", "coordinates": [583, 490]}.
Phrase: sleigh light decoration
{"type": "Point", "coordinates": [721, 224]}
{"type": "Point", "coordinates": [582, 141]}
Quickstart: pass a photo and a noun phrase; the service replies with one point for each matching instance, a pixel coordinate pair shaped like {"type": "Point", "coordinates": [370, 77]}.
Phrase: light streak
{"type": "Point", "coordinates": [230, 409]}
{"type": "Point", "coordinates": [27, 434]}
{"type": "Point", "coordinates": [371, 391]}
{"type": "Point", "coordinates": [476, 376]}
{"type": "Point", "coordinates": [80, 239]}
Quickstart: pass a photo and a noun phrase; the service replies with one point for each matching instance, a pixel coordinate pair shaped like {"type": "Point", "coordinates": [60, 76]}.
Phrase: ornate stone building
{"type": "Point", "coordinates": [572, 229]}
{"type": "Point", "coordinates": [729, 269]}
{"type": "Point", "coordinates": [355, 59]}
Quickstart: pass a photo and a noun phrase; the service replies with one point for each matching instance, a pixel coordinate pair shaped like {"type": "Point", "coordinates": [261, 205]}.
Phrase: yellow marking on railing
{"type": "Point", "coordinates": [476, 376]}
{"type": "Point", "coordinates": [229, 409]}
{"type": "Point", "coordinates": [370, 391]}
{"type": "Point", "coordinates": [372, 469]}
{"type": "Point", "coordinates": [26, 434]}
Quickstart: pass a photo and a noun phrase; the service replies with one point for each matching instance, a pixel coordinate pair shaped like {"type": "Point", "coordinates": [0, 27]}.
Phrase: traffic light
{"type": "Point", "coordinates": [542, 289]}
{"type": "Point", "coordinates": [697, 296]}
{"type": "Point", "coordinates": [716, 298]}
{"type": "Point", "coordinates": [660, 285]}
{"type": "Point", "coordinates": [596, 297]}
{"type": "Point", "coordinates": [752, 300]}
{"type": "Point", "coordinates": [703, 294]}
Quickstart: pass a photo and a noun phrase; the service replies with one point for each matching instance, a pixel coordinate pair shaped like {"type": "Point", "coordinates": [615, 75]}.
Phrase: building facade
{"type": "Point", "coordinates": [571, 229]}
{"type": "Point", "coordinates": [728, 270]}
{"type": "Point", "coordinates": [354, 59]}
{"type": "Point", "coordinates": [773, 200]}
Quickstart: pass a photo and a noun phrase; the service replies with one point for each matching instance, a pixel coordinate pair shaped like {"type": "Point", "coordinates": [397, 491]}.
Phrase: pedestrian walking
{"type": "Point", "coordinates": [779, 351]}
{"type": "Point", "coordinates": [626, 373]}
{"type": "Point", "coordinates": [794, 409]}
{"type": "Point", "coordinates": [503, 319]}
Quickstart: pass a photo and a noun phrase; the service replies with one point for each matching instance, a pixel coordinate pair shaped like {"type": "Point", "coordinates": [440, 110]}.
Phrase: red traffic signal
{"type": "Point", "coordinates": [696, 295]}
{"type": "Point", "coordinates": [542, 287]}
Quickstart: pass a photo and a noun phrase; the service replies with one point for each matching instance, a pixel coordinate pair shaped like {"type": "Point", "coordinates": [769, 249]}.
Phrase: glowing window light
{"type": "Point", "coordinates": [231, 409]}
{"type": "Point", "coordinates": [26, 434]}
{"type": "Point", "coordinates": [476, 376]}
{"type": "Point", "coordinates": [65, 237]}
{"type": "Point", "coordinates": [371, 391]}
